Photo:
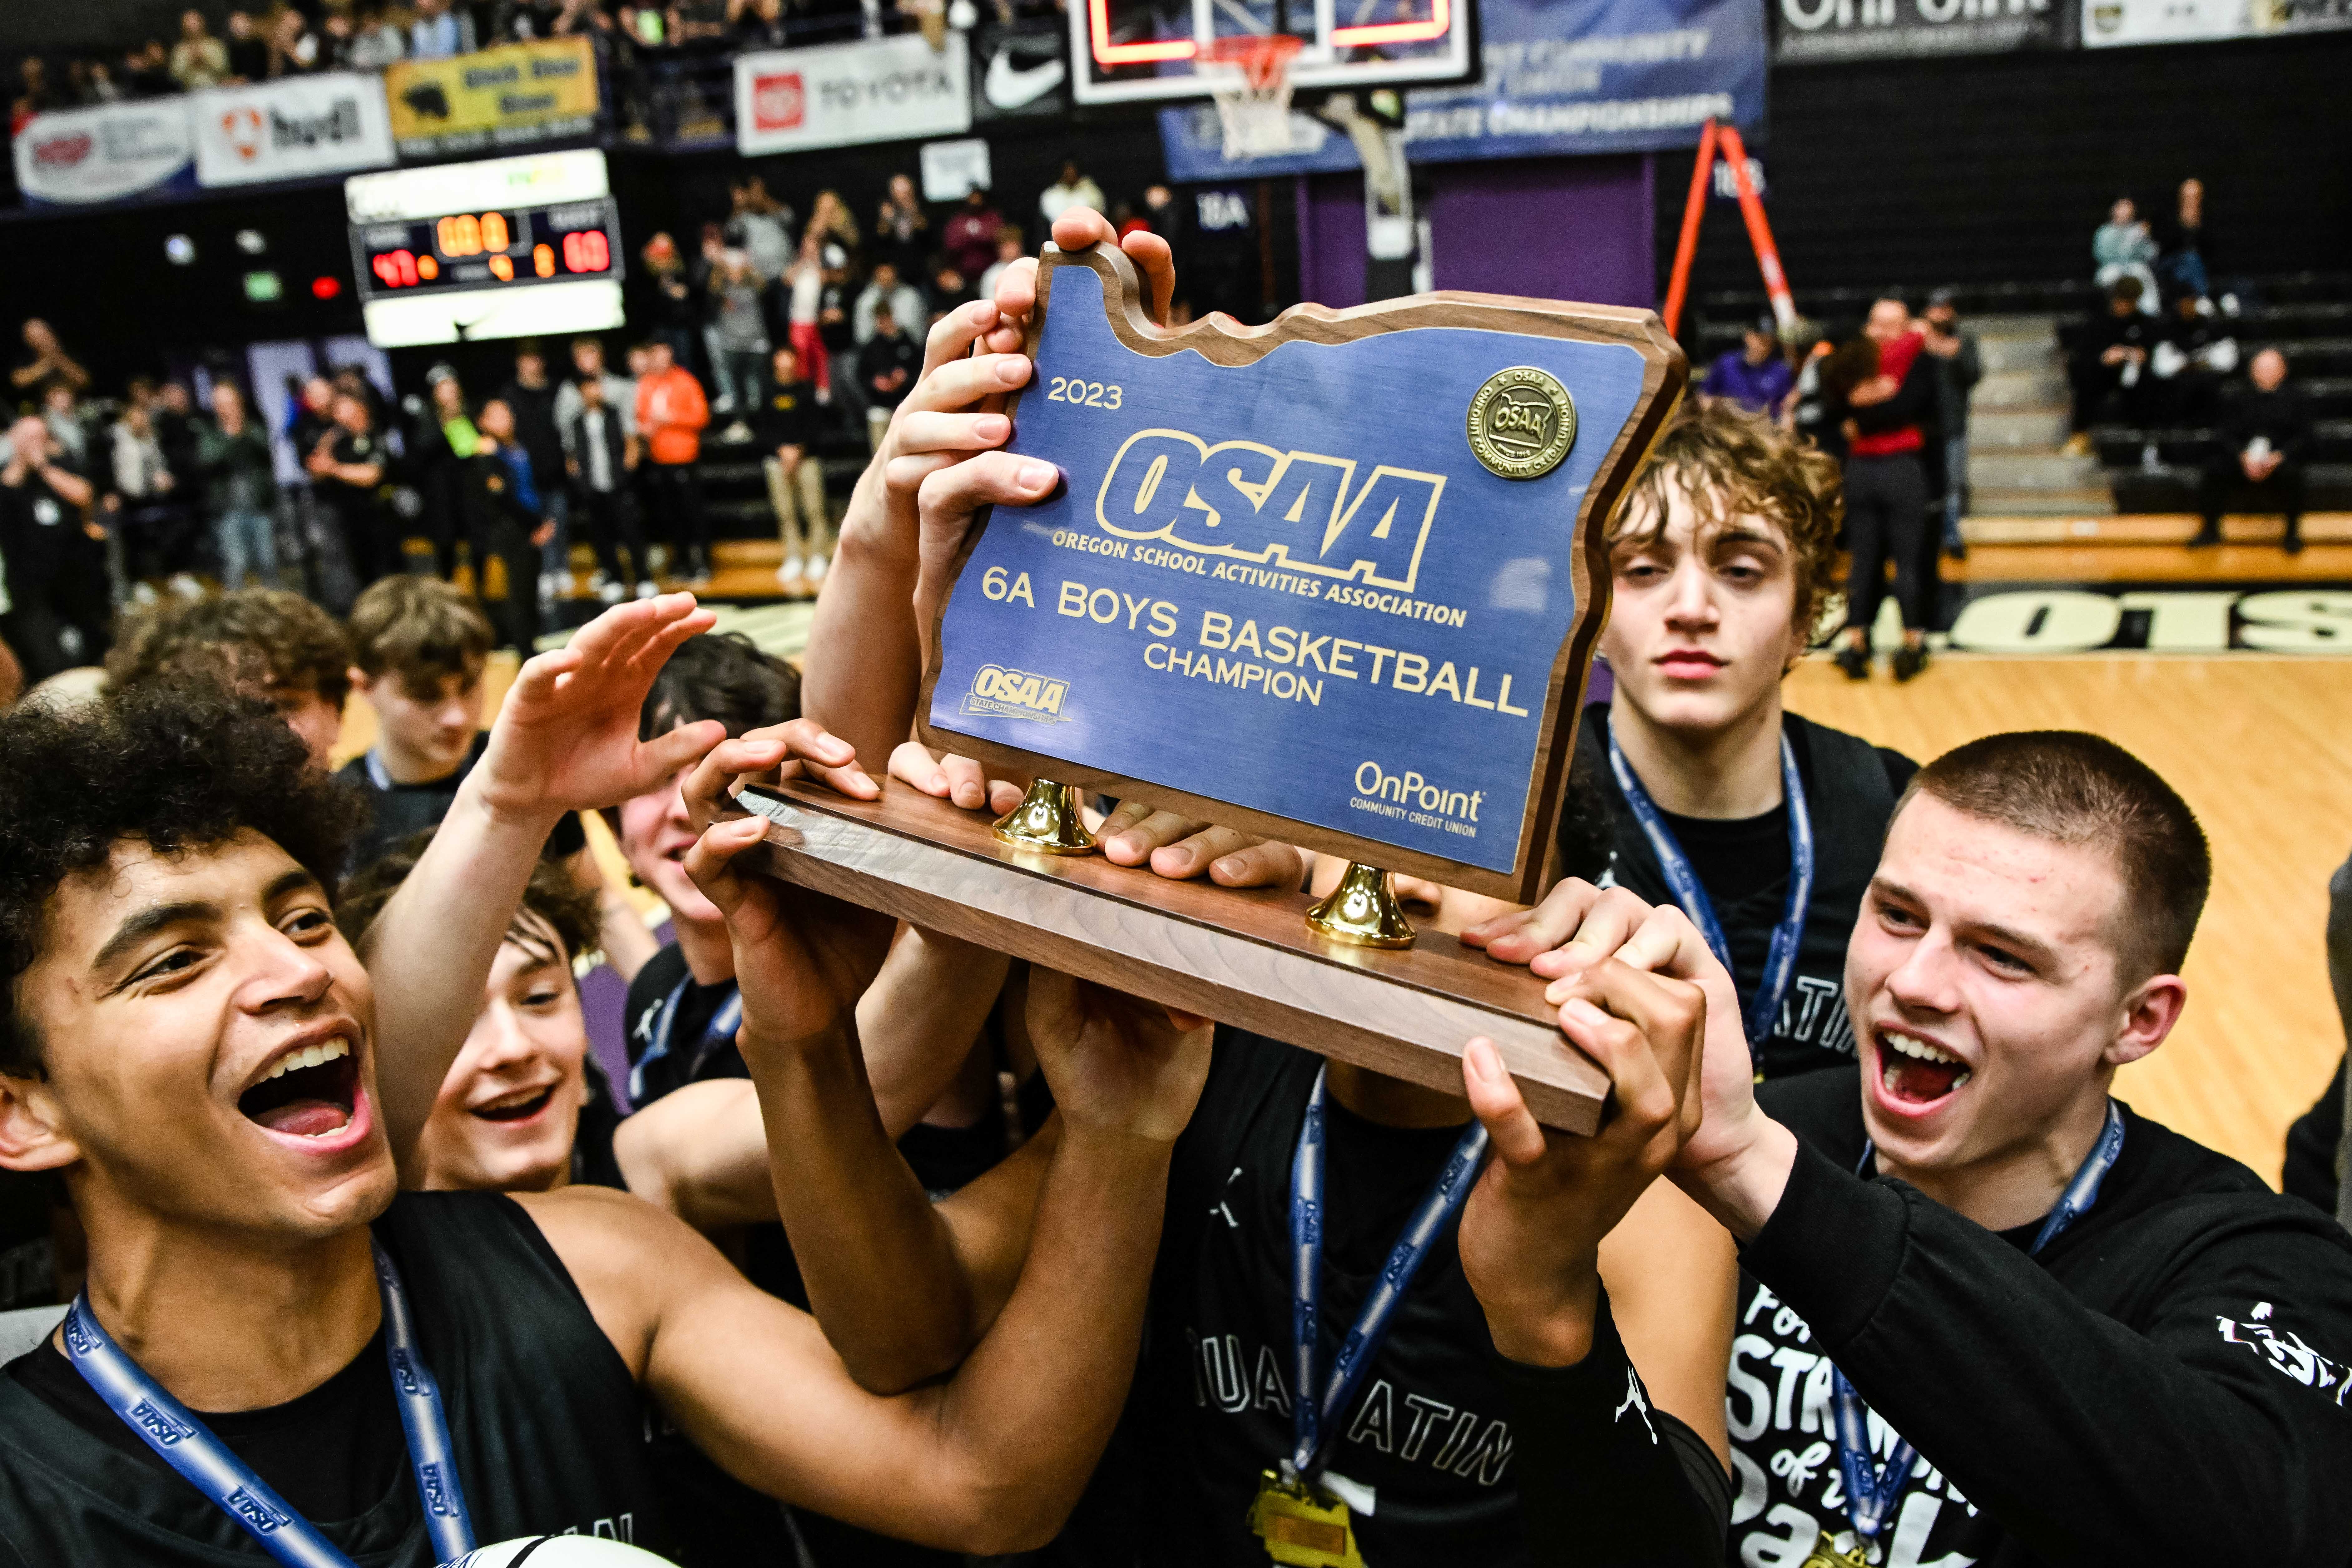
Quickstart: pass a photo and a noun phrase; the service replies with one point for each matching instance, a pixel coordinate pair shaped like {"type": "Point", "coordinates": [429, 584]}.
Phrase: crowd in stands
{"type": "Point", "coordinates": [771, 340]}
{"type": "Point", "coordinates": [646, 51]}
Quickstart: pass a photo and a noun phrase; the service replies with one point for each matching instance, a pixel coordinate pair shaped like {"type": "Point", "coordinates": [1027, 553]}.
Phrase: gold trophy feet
{"type": "Point", "coordinates": [1363, 909]}
{"type": "Point", "coordinates": [1048, 821]}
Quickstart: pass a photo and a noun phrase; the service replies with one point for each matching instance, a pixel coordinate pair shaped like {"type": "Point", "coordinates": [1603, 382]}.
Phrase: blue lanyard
{"type": "Point", "coordinates": [1762, 1013]}
{"type": "Point", "coordinates": [187, 1446]}
{"type": "Point", "coordinates": [1870, 1491]}
{"type": "Point", "coordinates": [722, 1026]}
{"type": "Point", "coordinates": [1312, 1420]}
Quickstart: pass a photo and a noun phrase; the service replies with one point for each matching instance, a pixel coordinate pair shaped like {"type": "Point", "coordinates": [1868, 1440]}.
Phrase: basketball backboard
{"type": "Point", "coordinates": [1130, 51]}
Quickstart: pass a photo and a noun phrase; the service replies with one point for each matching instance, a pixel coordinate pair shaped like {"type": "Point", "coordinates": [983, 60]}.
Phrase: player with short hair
{"type": "Point", "coordinates": [194, 1046]}
{"type": "Point", "coordinates": [2097, 1340]}
{"type": "Point", "coordinates": [275, 644]}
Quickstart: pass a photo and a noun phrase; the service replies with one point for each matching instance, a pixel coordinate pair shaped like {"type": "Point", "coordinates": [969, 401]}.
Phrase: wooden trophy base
{"type": "Point", "coordinates": [1241, 957]}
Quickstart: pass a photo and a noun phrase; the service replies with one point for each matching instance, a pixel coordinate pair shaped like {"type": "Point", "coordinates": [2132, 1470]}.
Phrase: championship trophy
{"type": "Point", "coordinates": [1335, 580]}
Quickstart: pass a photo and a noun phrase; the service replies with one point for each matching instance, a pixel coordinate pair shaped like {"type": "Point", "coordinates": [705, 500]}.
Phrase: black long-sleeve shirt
{"type": "Point", "coordinates": [2283, 417]}
{"type": "Point", "coordinates": [2165, 1384]}
{"type": "Point", "coordinates": [1605, 1477]}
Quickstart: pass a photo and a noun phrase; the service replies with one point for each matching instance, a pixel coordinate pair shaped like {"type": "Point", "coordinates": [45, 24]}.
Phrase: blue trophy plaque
{"type": "Point", "coordinates": [1336, 580]}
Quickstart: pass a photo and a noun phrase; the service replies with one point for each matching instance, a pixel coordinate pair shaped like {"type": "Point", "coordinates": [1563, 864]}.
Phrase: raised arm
{"type": "Point", "coordinates": [565, 739]}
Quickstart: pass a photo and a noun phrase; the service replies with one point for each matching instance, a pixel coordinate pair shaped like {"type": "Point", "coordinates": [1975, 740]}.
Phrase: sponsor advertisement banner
{"type": "Point", "coordinates": [1019, 68]}
{"type": "Point", "coordinates": [1818, 30]}
{"type": "Point", "coordinates": [2107, 24]}
{"type": "Point", "coordinates": [287, 129]}
{"type": "Point", "coordinates": [509, 95]}
{"type": "Point", "coordinates": [83, 155]}
{"type": "Point", "coordinates": [1560, 77]}
{"type": "Point", "coordinates": [837, 95]}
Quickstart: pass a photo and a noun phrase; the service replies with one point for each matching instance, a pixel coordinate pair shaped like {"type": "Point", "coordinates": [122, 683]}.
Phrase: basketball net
{"type": "Point", "coordinates": [1253, 92]}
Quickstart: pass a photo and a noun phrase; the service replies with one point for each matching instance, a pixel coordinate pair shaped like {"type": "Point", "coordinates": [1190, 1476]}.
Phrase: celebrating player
{"type": "Point", "coordinates": [1988, 1312]}
{"type": "Point", "coordinates": [197, 1049]}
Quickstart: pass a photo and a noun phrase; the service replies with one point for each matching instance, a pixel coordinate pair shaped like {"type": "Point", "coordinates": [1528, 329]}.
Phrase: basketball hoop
{"type": "Point", "coordinates": [1253, 93]}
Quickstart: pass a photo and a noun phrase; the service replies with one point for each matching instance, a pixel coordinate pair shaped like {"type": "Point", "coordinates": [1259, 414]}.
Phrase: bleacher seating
{"type": "Point", "coordinates": [2017, 418]}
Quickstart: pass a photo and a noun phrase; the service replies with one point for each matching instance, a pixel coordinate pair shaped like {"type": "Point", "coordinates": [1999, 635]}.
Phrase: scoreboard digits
{"type": "Point", "coordinates": [501, 247]}
{"type": "Point", "coordinates": [468, 249]}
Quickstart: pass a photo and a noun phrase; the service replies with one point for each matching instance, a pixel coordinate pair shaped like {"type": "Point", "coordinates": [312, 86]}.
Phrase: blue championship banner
{"type": "Point", "coordinates": [1336, 582]}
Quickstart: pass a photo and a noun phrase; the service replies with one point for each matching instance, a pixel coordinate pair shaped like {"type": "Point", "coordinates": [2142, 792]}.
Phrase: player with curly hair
{"type": "Point", "coordinates": [1762, 826]}
{"type": "Point", "coordinates": [276, 1344]}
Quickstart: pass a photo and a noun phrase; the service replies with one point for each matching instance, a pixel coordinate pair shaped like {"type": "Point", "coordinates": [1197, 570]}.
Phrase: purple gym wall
{"type": "Point", "coordinates": [1558, 228]}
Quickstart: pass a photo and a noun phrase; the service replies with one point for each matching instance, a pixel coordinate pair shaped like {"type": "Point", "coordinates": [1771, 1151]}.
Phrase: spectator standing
{"type": "Point", "coordinates": [240, 484]}
{"type": "Point", "coordinates": [1072, 190]}
{"type": "Point", "coordinates": [831, 222]}
{"type": "Point", "coordinates": [588, 364]}
{"type": "Point", "coordinates": [1754, 376]}
{"type": "Point", "coordinates": [141, 502]}
{"type": "Point", "coordinates": [294, 49]}
{"type": "Point", "coordinates": [347, 473]}
{"type": "Point", "coordinates": [902, 234]}
{"type": "Point", "coordinates": [1888, 421]}
{"type": "Point", "coordinates": [969, 237]}
{"type": "Point", "coordinates": [45, 358]}
{"type": "Point", "coordinates": [671, 415]}
{"type": "Point", "coordinates": [2109, 371]}
{"type": "Point", "coordinates": [38, 94]}
{"type": "Point", "coordinates": [762, 25]}
{"type": "Point", "coordinates": [2122, 247]}
{"type": "Point", "coordinates": [600, 452]}
{"type": "Point", "coordinates": [440, 31]}
{"type": "Point", "coordinates": [737, 333]}
{"type": "Point", "coordinates": [61, 411]}
{"type": "Point", "coordinates": [803, 299]}
{"type": "Point", "coordinates": [2180, 243]}
{"type": "Point", "coordinates": [445, 438]}
{"type": "Point", "coordinates": [376, 45]}
{"type": "Point", "coordinates": [949, 288]}
{"type": "Point", "coordinates": [506, 521]}
{"type": "Point", "coordinates": [760, 226]}
{"type": "Point", "coordinates": [55, 574]}
{"type": "Point", "coordinates": [1959, 363]}
{"type": "Point", "coordinates": [147, 71]}
{"type": "Point", "coordinates": [198, 59]}
{"type": "Point", "coordinates": [2260, 448]}
{"type": "Point", "coordinates": [785, 430]}
{"type": "Point", "coordinates": [530, 398]}
{"type": "Point", "coordinates": [676, 314]}
{"type": "Point", "coordinates": [886, 364]}
{"type": "Point", "coordinates": [885, 291]}
{"type": "Point", "coordinates": [248, 51]}
{"type": "Point", "coordinates": [1010, 247]}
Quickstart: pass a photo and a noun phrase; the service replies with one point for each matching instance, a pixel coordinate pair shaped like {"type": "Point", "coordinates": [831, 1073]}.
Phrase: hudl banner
{"type": "Point", "coordinates": [1560, 77]}
{"type": "Point", "coordinates": [835, 95]}
{"type": "Point", "coordinates": [286, 130]}
{"type": "Point", "coordinates": [1814, 30]}
{"type": "Point", "coordinates": [83, 155]}
{"type": "Point", "coordinates": [510, 96]}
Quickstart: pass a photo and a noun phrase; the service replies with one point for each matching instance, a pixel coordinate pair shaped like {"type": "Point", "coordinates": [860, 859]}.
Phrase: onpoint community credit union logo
{"type": "Point", "coordinates": [1016, 694]}
{"type": "Point", "coordinates": [1522, 423]}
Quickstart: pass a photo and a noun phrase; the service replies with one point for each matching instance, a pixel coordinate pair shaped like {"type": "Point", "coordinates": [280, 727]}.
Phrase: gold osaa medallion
{"type": "Point", "coordinates": [1522, 423]}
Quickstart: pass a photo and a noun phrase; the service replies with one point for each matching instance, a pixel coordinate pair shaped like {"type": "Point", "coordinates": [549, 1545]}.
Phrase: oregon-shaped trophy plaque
{"type": "Point", "coordinates": [1336, 581]}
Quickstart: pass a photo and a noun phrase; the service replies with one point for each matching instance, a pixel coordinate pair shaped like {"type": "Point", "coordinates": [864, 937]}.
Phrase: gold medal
{"type": "Point", "coordinates": [1825, 1554]}
{"type": "Point", "coordinates": [1522, 423]}
{"type": "Point", "coordinates": [1301, 1526]}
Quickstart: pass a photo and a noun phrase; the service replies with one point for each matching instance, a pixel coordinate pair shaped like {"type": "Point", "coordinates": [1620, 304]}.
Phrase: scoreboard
{"type": "Point", "coordinates": [499, 248]}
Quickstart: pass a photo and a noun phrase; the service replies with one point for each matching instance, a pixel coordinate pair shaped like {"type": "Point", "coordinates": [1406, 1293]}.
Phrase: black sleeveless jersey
{"type": "Point", "coordinates": [1425, 1442]}
{"type": "Point", "coordinates": [1850, 787]}
{"type": "Point", "coordinates": [546, 1424]}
